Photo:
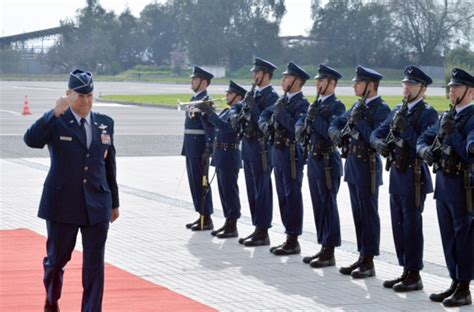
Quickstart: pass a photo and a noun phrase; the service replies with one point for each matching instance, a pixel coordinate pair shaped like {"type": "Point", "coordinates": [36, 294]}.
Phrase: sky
{"type": "Point", "coordinates": [19, 16]}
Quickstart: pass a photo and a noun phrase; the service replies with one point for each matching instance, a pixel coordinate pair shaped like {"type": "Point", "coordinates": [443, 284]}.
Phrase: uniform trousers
{"type": "Point", "coordinates": [194, 169]}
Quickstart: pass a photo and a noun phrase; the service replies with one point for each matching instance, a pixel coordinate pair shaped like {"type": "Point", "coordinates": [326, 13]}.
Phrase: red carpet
{"type": "Point", "coordinates": [21, 286]}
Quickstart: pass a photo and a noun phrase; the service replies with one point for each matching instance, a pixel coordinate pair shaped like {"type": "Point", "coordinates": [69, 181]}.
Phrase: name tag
{"type": "Point", "coordinates": [65, 138]}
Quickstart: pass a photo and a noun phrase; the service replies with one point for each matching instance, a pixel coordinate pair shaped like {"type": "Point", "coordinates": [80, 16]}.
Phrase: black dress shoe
{"type": "Point", "coordinates": [230, 229]}
{"type": "Point", "coordinates": [243, 239]}
{"type": "Point", "coordinates": [348, 270]}
{"type": "Point", "coordinates": [461, 296]}
{"type": "Point", "coordinates": [390, 283]}
{"type": "Point", "coordinates": [207, 224]}
{"type": "Point", "coordinates": [290, 247]}
{"type": "Point", "coordinates": [325, 259]}
{"type": "Point", "coordinates": [260, 238]}
{"type": "Point", "coordinates": [190, 225]}
{"type": "Point", "coordinates": [366, 268]}
{"type": "Point", "coordinates": [410, 283]}
{"type": "Point", "coordinates": [215, 232]}
{"type": "Point", "coordinates": [50, 307]}
{"type": "Point", "coordinates": [439, 297]}
{"type": "Point", "coordinates": [307, 260]}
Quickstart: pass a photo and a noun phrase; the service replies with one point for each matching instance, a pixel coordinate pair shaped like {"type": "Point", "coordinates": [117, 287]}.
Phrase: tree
{"type": "Point", "coordinates": [427, 27]}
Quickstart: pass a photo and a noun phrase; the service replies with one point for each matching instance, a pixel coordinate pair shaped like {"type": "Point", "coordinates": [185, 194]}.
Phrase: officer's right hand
{"type": "Point", "coordinates": [427, 155]}
{"type": "Point", "coordinates": [336, 137]}
{"type": "Point", "coordinates": [381, 147]}
{"type": "Point", "coordinates": [63, 103]}
{"type": "Point", "coordinates": [264, 127]}
{"type": "Point", "coordinates": [298, 132]}
{"type": "Point", "coordinates": [249, 100]}
{"type": "Point", "coordinates": [280, 104]}
{"type": "Point", "coordinates": [234, 122]}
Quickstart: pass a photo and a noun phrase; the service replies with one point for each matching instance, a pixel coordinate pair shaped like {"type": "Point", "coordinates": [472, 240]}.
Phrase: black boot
{"type": "Point", "coordinates": [244, 239]}
{"type": "Point", "coordinates": [308, 259]}
{"type": "Point", "coordinates": [390, 283]}
{"type": "Point", "coordinates": [230, 229]}
{"type": "Point", "coordinates": [190, 225]}
{"type": "Point", "coordinates": [348, 270]}
{"type": "Point", "coordinates": [290, 247]}
{"type": "Point", "coordinates": [366, 268]}
{"type": "Point", "coordinates": [439, 297]}
{"type": "Point", "coordinates": [221, 229]}
{"type": "Point", "coordinates": [206, 225]}
{"type": "Point", "coordinates": [410, 283]}
{"type": "Point", "coordinates": [260, 238]}
{"type": "Point", "coordinates": [461, 296]}
{"type": "Point", "coordinates": [325, 259]}
{"type": "Point", "coordinates": [50, 307]}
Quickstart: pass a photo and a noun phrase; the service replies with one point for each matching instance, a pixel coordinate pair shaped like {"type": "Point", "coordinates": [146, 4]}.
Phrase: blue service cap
{"type": "Point", "coordinates": [81, 81]}
{"type": "Point", "coordinates": [261, 64]}
{"type": "Point", "coordinates": [366, 74]}
{"type": "Point", "coordinates": [294, 70]}
{"type": "Point", "coordinates": [236, 88]}
{"type": "Point", "coordinates": [325, 71]}
{"type": "Point", "coordinates": [414, 74]}
{"type": "Point", "coordinates": [201, 73]}
{"type": "Point", "coordinates": [461, 77]}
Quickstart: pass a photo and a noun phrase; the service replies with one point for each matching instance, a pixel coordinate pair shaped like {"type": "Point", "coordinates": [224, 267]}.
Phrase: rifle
{"type": "Point", "coordinates": [273, 124]}
{"type": "Point", "coordinates": [313, 111]}
{"type": "Point", "coordinates": [392, 137]}
{"type": "Point", "coordinates": [438, 147]}
{"type": "Point", "coordinates": [205, 187]}
{"type": "Point", "coordinates": [244, 115]}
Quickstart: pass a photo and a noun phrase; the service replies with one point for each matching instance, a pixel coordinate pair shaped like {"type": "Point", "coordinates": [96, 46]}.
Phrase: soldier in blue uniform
{"type": "Point", "coordinates": [227, 160]}
{"type": "Point", "coordinates": [410, 179]}
{"type": "Point", "coordinates": [444, 146]}
{"type": "Point", "coordinates": [197, 147]}
{"type": "Point", "coordinates": [470, 144]}
{"type": "Point", "coordinates": [363, 167]}
{"type": "Point", "coordinates": [255, 152]}
{"type": "Point", "coordinates": [287, 156]}
{"type": "Point", "coordinates": [324, 164]}
{"type": "Point", "coordinates": [80, 191]}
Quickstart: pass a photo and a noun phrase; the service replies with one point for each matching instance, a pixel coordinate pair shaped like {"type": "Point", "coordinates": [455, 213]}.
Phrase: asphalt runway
{"type": "Point", "coordinates": [139, 131]}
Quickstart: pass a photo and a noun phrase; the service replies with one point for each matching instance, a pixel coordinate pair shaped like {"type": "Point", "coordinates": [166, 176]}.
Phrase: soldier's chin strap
{"type": "Point", "coordinates": [459, 100]}
{"type": "Point", "coordinates": [326, 88]}
{"type": "Point", "coordinates": [291, 85]}
{"type": "Point", "coordinates": [199, 85]}
{"type": "Point", "coordinates": [409, 99]}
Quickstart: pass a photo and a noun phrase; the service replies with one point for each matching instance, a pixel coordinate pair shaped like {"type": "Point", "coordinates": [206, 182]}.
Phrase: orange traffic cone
{"type": "Point", "coordinates": [26, 106]}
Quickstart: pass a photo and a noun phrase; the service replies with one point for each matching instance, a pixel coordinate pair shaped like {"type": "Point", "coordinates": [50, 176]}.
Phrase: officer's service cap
{"type": "Point", "coordinates": [461, 77]}
{"type": "Point", "coordinates": [81, 81]}
{"type": "Point", "coordinates": [294, 70]}
{"type": "Point", "coordinates": [414, 74]}
{"type": "Point", "coordinates": [236, 88]}
{"type": "Point", "coordinates": [201, 73]}
{"type": "Point", "coordinates": [325, 71]}
{"type": "Point", "coordinates": [366, 74]}
{"type": "Point", "coordinates": [261, 64]}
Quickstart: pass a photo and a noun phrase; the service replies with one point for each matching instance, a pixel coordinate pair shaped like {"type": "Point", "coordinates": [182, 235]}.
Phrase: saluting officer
{"type": "Point", "coordinates": [363, 167]}
{"type": "Point", "coordinates": [324, 165]}
{"type": "Point", "coordinates": [80, 191]}
{"type": "Point", "coordinates": [287, 155]}
{"type": "Point", "coordinates": [227, 160]}
{"type": "Point", "coordinates": [197, 147]}
{"type": "Point", "coordinates": [445, 146]}
{"type": "Point", "coordinates": [256, 153]}
{"type": "Point", "coordinates": [410, 179]}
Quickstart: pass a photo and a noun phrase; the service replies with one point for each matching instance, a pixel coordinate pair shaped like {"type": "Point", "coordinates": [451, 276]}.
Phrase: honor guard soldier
{"type": "Point", "coordinates": [255, 152]}
{"type": "Point", "coordinates": [470, 144]}
{"type": "Point", "coordinates": [363, 167]}
{"type": "Point", "coordinates": [227, 160]}
{"type": "Point", "coordinates": [197, 147]}
{"type": "Point", "coordinates": [444, 146]}
{"type": "Point", "coordinates": [278, 121]}
{"type": "Point", "coordinates": [324, 164]}
{"type": "Point", "coordinates": [80, 191]}
{"type": "Point", "coordinates": [410, 179]}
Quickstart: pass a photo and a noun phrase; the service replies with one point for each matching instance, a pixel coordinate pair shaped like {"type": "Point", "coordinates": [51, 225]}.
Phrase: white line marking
{"type": "Point", "coordinates": [11, 112]}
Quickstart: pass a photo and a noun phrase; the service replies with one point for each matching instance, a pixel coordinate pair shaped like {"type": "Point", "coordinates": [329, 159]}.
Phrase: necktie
{"type": "Point", "coordinates": [83, 131]}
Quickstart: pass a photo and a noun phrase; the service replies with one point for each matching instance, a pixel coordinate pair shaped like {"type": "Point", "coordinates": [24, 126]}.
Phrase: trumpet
{"type": "Point", "coordinates": [191, 106]}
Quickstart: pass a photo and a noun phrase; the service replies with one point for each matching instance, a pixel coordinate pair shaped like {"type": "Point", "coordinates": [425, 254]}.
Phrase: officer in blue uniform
{"type": "Point", "coordinates": [287, 156]}
{"type": "Point", "coordinates": [256, 152]}
{"type": "Point", "coordinates": [410, 179]}
{"type": "Point", "coordinates": [80, 191]}
{"type": "Point", "coordinates": [197, 147]}
{"type": "Point", "coordinates": [444, 146]}
{"type": "Point", "coordinates": [470, 144]}
{"type": "Point", "coordinates": [227, 160]}
{"type": "Point", "coordinates": [324, 164]}
{"type": "Point", "coordinates": [363, 167]}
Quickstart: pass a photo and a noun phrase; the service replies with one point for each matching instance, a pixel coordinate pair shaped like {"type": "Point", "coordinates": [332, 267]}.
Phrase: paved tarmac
{"type": "Point", "coordinates": [150, 240]}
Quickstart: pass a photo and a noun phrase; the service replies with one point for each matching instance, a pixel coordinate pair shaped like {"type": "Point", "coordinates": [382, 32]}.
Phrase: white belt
{"type": "Point", "coordinates": [194, 131]}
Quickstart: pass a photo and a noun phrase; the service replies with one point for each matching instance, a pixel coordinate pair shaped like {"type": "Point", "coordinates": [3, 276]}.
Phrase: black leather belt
{"type": "Point", "coordinates": [226, 146]}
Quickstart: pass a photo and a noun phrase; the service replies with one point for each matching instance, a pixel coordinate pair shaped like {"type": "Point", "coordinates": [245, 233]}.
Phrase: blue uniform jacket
{"type": "Point", "coordinates": [222, 157]}
{"type": "Point", "coordinates": [447, 187]}
{"type": "Point", "coordinates": [195, 144]}
{"type": "Point", "coordinates": [403, 183]}
{"type": "Point", "coordinates": [331, 108]}
{"type": "Point", "coordinates": [297, 107]}
{"type": "Point", "coordinates": [81, 186]}
{"type": "Point", "coordinates": [356, 171]}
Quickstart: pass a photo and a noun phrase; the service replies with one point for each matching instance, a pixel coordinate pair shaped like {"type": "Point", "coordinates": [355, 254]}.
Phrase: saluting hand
{"type": "Point", "coordinates": [62, 104]}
